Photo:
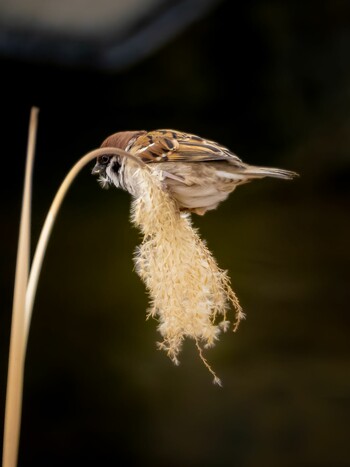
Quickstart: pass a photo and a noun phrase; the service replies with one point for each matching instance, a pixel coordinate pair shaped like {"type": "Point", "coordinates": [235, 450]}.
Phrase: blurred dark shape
{"type": "Point", "coordinates": [104, 34]}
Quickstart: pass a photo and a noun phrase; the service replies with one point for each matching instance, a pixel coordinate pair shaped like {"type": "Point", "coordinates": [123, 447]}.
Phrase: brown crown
{"type": "Point", "coordinates": [121, 139]}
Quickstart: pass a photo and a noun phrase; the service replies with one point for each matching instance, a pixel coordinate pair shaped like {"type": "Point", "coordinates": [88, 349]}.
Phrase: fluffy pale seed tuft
{"type": "Point", "coordinates": [189, 294]}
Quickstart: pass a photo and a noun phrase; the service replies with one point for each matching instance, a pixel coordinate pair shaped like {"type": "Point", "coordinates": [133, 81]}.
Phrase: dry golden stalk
{"type": "Point", "coordinates": [189, 293]}
{"type": "Point", "coordinates": [25, 288]}
{"type": "Point", "coordinates": [14, 390]}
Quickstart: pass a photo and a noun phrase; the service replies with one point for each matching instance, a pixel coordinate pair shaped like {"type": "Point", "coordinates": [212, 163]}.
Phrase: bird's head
{"type": "Point", "coordinates": [109, 167]}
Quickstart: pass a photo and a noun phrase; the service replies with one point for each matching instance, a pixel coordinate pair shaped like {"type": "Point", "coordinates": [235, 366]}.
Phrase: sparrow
{"type": "Point", "coordinates": [197, 172]}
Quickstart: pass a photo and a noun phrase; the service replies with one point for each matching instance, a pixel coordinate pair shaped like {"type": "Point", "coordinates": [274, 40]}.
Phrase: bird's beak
{"type": "Point", "coordinates": [97, 169]}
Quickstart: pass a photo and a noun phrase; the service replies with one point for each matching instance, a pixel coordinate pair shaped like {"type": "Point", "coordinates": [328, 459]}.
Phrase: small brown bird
{"type": "Point", "coordinates": [198, 173]}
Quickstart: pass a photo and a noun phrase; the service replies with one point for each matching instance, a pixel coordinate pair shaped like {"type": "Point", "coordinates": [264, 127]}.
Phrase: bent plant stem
{"type": "Point", "coordinates": [49, 221]}
{"type": "Point", "coordinates": [25, 289]}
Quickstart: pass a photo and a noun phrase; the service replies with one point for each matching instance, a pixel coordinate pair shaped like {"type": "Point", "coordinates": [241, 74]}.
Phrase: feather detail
{"type": "Point", "coordinates": [174, 177]}
{"type": "Point", "coordinates": [259, 172]}
{"type": "Point", "coordinates": [173, 146]}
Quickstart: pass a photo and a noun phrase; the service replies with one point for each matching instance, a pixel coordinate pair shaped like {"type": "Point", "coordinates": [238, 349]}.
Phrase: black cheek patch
{"type": "Point", "coordinates": [116, 167]}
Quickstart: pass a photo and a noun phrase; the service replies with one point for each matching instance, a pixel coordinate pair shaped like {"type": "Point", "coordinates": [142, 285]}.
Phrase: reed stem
{"type": "Point", "coordinates": [49, 222]}
{"type": "Point", "coordinates": [25, 287]}
{"type": "Point", "coordinates": [14, 389]}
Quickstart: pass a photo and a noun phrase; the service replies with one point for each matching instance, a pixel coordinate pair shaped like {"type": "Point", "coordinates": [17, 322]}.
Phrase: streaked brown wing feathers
{"type": "Point", "coordinates": [171, 145]}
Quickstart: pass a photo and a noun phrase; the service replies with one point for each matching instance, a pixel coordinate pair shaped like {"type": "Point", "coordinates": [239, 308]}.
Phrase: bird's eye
{"type": "Point", "coordinates": [104, 159]}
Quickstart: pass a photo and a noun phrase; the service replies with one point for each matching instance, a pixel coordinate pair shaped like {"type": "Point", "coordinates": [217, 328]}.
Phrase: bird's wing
{"type": "Point", "coordinates": [172, 146]}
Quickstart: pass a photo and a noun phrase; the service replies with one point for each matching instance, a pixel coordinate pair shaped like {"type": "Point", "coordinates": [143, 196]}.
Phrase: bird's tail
{"type": "Point", "coordinates": [260, 172]}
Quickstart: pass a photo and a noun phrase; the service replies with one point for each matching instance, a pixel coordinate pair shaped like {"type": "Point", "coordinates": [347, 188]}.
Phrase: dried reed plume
{"type": "Point", "coordinates": [189, 293]}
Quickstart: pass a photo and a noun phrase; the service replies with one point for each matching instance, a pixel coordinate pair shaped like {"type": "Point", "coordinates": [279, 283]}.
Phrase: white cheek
{"type": "Point", "coordinates": [113, 176]}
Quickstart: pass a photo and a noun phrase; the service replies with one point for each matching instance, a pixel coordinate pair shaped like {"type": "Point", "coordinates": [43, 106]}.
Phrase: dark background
{"type": "Point", "coordinates": [270, 80]}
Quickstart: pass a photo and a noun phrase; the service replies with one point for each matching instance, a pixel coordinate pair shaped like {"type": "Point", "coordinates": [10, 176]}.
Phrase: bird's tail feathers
{"type": "Point", "coordinates": [260, 172]}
